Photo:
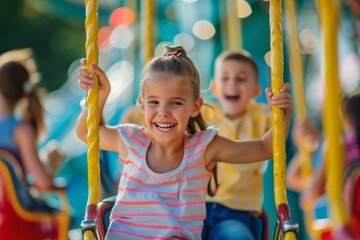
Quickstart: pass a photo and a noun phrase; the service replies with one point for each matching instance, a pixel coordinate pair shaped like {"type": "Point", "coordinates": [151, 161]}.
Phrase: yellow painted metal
{"type": "Point", "coordinates": [289, 236]}
{"type": "Point", "coordinates": [300, 105]}
{"type": "Point", "coordinates": [329, 19]}
{"type": "Point", "coordinates": [277, 70]}
{"type": "Point", "coordinates": [233, 25]}
{"type": "Point", "coordinates": [89, 235]}
{"type": "Point", "coordinates": [148, 16]}
{"type": "Point", "coordinates": [298, 82]}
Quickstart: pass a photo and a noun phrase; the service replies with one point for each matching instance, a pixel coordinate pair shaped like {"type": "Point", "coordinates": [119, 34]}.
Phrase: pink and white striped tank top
{"type": "Point", "coordinates": [167, 205]}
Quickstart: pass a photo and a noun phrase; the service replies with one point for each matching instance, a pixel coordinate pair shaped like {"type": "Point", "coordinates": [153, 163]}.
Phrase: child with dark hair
{"type": "Point", "coordinates": [233, 212]}
{"type": "Point", "coordinates": [20, 136]}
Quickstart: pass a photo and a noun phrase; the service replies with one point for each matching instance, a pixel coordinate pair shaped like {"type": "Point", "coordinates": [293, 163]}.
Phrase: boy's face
{"type": "Point", "coordinates": [235, 85]}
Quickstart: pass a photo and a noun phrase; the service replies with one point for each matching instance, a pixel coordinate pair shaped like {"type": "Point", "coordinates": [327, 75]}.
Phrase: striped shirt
{"type": "Point", "coordinates": [167, 205]}
{"type": "Point", "coordinates": [241, 184]}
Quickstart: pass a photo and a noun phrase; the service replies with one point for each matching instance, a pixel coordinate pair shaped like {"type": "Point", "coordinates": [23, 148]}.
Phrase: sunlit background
{"type": "Point", "coordinates": [54, 29]}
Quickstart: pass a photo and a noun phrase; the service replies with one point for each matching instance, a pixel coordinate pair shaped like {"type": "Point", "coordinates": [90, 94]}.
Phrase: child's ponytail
{"type": "Point", "coordinates": [14, 86]}
{"type": "Point", "coordinates": [33, 113]}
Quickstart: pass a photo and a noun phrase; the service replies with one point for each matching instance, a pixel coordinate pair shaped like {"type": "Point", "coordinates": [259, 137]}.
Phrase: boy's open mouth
{"type": "Point", "coordinates": [232, 98]}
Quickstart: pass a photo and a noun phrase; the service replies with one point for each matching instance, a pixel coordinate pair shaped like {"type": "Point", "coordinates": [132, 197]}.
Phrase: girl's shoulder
{"type": "Point", "coordinates": [130, 132]}
{"type": "Point", "coordinates": [132, 128]}
{"type": "Point", "coordinates": [203, 137]}
{"type": "Point", "coordinates": [24, 129]}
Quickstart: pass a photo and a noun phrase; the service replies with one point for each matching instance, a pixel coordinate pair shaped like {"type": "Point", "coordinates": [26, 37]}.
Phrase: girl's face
{"type": "Point", "coordinates": [167, 104]}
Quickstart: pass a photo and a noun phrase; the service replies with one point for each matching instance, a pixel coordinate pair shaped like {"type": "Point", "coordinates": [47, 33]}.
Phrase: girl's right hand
{"type": "Point", "coordinates": [86, 78]}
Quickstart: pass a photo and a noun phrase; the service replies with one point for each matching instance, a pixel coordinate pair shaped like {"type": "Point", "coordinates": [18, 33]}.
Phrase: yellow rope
{"type": "Point", "coordinates": [329, 18]}
{"type": "Point", "coordinates": [277, 81]}
{"type": "Point", "coordinates": [148, 16]}
{"type": "Point", "coordinates": [278, 125]}
{"type": "Point", "coordinates": [92, 102]}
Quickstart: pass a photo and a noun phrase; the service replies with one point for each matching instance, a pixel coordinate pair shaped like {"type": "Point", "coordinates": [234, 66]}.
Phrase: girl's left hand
{"type": "Point", "coordinates": [282, 100]}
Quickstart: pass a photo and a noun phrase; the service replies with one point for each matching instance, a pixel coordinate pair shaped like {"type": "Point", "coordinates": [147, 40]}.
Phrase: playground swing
{"type": "Point", "coordinates": [93, 226]}
{"type": "Point", "coordinates": [337, 228]}
{"type": "Point", "coordinates": [339, 224]}
{"type": "Point", "coordinates": [35, 219]}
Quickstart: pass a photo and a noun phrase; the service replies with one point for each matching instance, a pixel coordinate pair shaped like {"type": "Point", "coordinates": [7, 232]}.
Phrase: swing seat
{"type": "Point", "coordinates": [323, 227]}
{"type": "Point", "coordinates": [103, 215]}
{"type": "Point", "coordinates": [22, 215]}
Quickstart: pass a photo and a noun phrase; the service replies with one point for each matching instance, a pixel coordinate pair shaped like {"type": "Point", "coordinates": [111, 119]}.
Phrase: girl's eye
{"type": "Point", "coordinates": [153, 102]}
{"type": "Point", "coordinates": [177, 103]}
{"type": "Point", "coordinates": [224, 79]}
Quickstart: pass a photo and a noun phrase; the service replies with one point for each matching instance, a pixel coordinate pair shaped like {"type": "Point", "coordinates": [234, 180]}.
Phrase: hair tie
{"type": "Point", "coordinates": [174, 53]}
{"type": "Point", "coordinates": [28, 88]}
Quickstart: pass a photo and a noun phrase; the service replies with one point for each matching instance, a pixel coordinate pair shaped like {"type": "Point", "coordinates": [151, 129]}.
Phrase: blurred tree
{"type": "Point", "coordinates": [56, 42]}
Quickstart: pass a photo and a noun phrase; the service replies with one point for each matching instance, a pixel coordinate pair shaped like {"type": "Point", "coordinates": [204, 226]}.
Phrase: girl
{"type": "Point", "coordinates": [167, 165]}
{"type": "Point", "coordinates": [20, 136]}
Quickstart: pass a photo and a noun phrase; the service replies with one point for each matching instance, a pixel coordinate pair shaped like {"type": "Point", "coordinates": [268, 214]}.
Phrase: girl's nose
{"type": "Point", "coordinates": [163, 112]}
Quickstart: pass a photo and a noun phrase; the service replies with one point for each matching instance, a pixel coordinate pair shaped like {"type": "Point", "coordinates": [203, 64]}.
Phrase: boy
{"type": "Point", "coordinates": [237, 205]}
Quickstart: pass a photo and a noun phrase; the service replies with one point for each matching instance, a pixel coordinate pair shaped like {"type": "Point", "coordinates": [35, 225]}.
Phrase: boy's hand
{"type": "Point", "coordinates": [283, 100]}
{"type": "Point", "coordinates": [86, 78]}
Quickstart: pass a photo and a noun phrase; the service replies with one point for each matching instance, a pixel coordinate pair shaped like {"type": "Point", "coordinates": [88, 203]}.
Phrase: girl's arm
{"type": "Point", "coordinates": [25, 140]}
{"type": "Point", "coordinates": [222, 149]}
{"type": "Point", "coordinates": [109, 137]}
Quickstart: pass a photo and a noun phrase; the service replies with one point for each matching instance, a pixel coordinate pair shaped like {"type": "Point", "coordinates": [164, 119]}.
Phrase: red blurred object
{"type": "Point", "coordinates": [121, 17]}
{"type": "Point", "coordinates": [18, 222]}
{"type": "Point", "coordinates": [103, 37]}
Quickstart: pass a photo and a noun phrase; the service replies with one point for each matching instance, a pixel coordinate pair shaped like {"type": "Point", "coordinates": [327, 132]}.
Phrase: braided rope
{"type": "Point", "coordinates": [93, 120]}
{"type": "Point", "coordinates": [277, 70]}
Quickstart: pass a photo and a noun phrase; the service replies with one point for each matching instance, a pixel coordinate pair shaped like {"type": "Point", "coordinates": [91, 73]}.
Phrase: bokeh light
{"type": "Point", "coordinates": [121, 76]}
{"type": "Point", "coordinates": [189, 1]}
{"type": "Point", "coordinates": [349, 69]}
{"type": "Point", "coordinates": [267, 58]}
{"type": "Point", "coordinates": [243, 9]}
{"type": "Point", "coordinates": [185, 40]}
{"type": "Point", "coordinates": [160, 48]}
{"type": "Point", "coordinates": [308, 40]}
{"type": "Point", "coordinates": [203, 29]}
{"type": "Point", "coordinates": [121, 37]}
{"type": "Point", "coordinates": [103, 37]}
{"type": "Point", "coordinates": [121, 17]}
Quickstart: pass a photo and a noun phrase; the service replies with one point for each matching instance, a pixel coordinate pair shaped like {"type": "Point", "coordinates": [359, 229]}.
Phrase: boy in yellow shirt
{"type": "Point", "coordinates": [237, 205]}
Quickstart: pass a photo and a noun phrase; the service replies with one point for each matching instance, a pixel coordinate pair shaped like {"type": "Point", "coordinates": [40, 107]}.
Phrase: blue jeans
{"type": "Point", "coordinates": [222, 223]}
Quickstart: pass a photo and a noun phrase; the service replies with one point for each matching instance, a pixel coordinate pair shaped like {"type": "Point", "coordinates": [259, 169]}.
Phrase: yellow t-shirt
{"type": "Point", "coordinates": [241, 185]}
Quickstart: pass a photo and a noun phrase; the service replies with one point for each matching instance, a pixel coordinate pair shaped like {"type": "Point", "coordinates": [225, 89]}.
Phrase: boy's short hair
{"type": "Point", "coordinates": [241, 56]}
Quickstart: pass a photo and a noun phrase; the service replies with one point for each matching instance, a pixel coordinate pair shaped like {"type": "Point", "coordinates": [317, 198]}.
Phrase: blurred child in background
{"type": "Point", "coordinates": [234, 210]}
{"type": "Point", "coordinates": [20, 134]}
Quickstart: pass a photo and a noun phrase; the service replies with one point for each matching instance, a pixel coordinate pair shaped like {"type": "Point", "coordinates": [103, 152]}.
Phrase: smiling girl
{"type": "Point", "coordinates": [168, 163]}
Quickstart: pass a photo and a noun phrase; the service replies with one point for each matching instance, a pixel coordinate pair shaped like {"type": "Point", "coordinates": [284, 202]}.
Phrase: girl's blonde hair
{"type": "Point", "coordinates": [176, 61]}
